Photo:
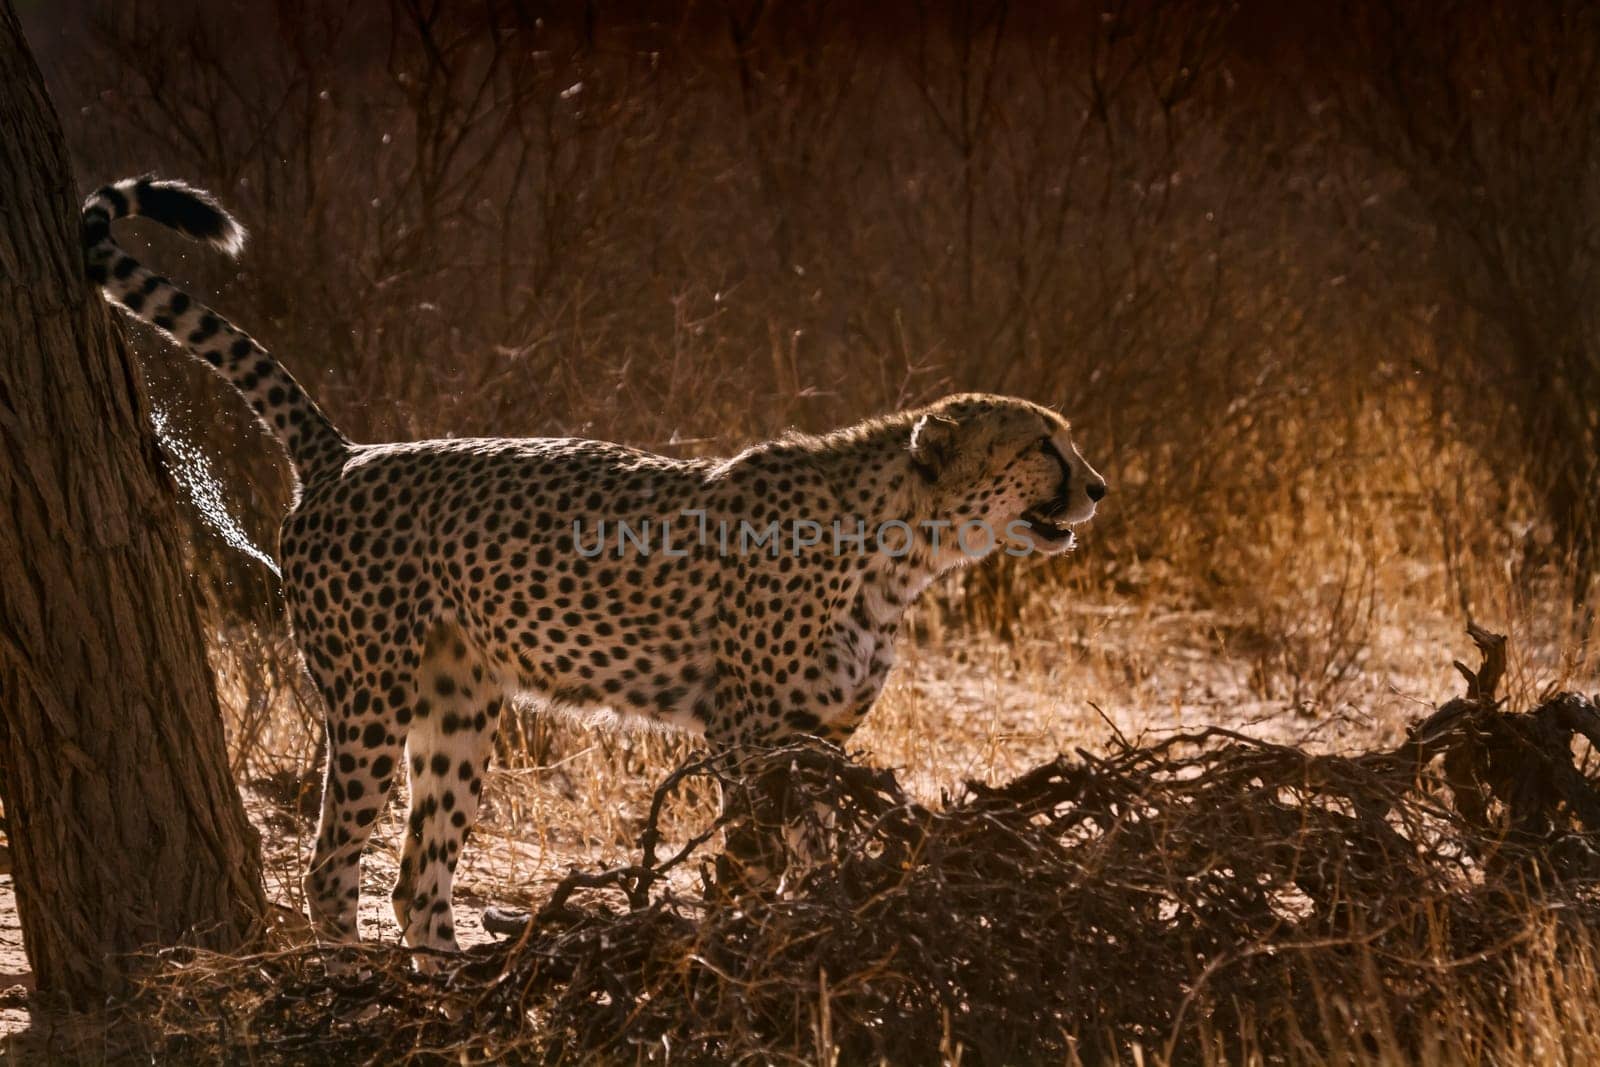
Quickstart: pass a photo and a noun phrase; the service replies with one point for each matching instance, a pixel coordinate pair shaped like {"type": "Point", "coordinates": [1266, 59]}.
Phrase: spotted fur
{"type": "Point", "coordinates": [430, 582]}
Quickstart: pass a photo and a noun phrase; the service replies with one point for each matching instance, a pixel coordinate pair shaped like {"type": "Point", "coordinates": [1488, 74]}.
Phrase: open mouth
{"type": "Point", "coordinates": [1045, 528]}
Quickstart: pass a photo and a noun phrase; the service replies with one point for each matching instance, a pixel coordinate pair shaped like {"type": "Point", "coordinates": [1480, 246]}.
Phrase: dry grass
{"type": "Point", "coordinates": [1203, 897]}
{"type": "Point", "coordinates": [1340, 641]}
{"type": "Point", "coordinates": [1325, 619]}
{"type": "Point", "coordinates": [688, 232]}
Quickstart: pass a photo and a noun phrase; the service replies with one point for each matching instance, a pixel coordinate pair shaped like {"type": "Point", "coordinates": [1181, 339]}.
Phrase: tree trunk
{"type": "Point", "coordinates": [125, 828]}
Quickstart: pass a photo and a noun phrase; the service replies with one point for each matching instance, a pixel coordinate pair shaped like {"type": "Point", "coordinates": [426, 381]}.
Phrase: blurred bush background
{"type": "Point", "coordinates": [1316, 284]}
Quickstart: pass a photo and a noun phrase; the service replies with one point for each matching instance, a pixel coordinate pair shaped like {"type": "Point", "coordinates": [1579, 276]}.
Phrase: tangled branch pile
{"type": "Point", "coordinates": [1172, 895]}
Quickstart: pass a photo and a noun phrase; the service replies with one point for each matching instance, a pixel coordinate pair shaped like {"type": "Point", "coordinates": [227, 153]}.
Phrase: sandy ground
{"type": "Point", "coordinates": [16, 979]}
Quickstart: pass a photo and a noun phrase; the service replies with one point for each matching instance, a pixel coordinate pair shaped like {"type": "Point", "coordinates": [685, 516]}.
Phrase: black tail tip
{"type": "Point", "coordinates": [186, 209]}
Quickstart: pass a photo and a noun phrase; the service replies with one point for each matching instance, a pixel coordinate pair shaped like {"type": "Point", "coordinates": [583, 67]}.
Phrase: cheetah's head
{"type": "Point", "coordinates": [1004, 466]}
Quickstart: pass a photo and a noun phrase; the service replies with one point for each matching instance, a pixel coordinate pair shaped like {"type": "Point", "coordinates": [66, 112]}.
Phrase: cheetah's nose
{"type": "Point", "coordinates": [1096, 491]}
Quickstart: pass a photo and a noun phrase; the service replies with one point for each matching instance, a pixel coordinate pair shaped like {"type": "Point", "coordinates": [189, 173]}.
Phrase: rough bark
{"type": "Point", "coordinates": [125, 828]}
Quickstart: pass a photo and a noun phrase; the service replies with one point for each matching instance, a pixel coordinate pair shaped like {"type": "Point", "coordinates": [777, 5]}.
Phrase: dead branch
{"type": "Point", "coordinates": [1164, 891]}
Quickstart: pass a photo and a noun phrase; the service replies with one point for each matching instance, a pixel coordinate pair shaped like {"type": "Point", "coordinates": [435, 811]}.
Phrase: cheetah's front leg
{"type": "Point", "coordinates": [772, 832]}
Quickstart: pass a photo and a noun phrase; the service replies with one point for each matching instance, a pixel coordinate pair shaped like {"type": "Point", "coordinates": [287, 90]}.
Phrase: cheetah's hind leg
{"type": "Point", "coordinates": [458, 706]}
{"type": "Point", "coordinates": [364, 739]}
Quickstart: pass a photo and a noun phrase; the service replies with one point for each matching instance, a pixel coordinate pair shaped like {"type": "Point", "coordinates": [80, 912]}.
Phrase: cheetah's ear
{"type": "Point", "coordinates": [933, 445]}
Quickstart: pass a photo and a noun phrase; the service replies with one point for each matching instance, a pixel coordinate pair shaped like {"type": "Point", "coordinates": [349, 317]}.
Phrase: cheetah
{"type": "Point", "coordinates": [747, 599]}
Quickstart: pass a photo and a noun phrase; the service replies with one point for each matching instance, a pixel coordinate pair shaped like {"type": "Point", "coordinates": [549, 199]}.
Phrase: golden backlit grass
{"type": "Point", "coordinates": [1330, 622]}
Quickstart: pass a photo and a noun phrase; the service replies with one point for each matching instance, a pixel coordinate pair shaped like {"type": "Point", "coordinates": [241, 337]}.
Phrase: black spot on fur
{"type": "Point", "coordinates": [119, 203]}
{"type": "Point", "coordinates": [209, 325]}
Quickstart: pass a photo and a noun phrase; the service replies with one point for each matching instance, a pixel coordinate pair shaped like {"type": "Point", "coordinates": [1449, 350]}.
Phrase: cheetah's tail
{"type": "Point", "coordinates": [313, 443]}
